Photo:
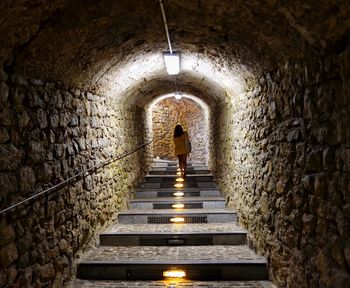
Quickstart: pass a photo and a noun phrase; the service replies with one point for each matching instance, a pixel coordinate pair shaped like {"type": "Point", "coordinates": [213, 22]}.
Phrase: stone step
{"type": "Point", "coordinates": [168, 234]}
{"type": "Point", "coordinates": [172, 178]}
{"type": "Point", "coordinates": [188, 202]}
{"type": "Point", "coordinates": [169, 192]}
{"type": "Point", "coordinates": [159, 185]}
{"type": "Point", "coordinates": [219, 262]}
{"type": "Point", "coordinates": [173, 172]}
{"type": "Point", "coordinates": [79, 283]}
{"type": "Point", "coordinates": [135, 216]}
{"type": "Point", "coordinates": [176, 165]}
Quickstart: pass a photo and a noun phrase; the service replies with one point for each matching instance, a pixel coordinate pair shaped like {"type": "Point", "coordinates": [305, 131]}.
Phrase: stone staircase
{"type": "Point", "coordinates": [200, 238]}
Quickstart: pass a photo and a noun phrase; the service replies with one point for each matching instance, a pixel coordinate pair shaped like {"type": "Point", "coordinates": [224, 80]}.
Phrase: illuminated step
{"type": "Point", "coordinates": [172, 178]}
{"type": "Point", "coordinates": [169, 192]}
{"type": "Point", "coordinates": [170, 184]}
{"type": "Point", "coordinates": [168, 202]}
{"type": "Point", "coordinates": [166, 216]}
{"type": "Point", "coordinates": [212, 262]}
{"type": "Point", "coordinates": [173, 235]}
{"type": "Point", "coordinates": [164, 171]}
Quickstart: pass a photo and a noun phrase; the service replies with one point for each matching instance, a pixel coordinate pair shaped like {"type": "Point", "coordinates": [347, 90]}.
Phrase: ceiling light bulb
{"type": "Point", "coordinates": [178, 96]}
{"type": "Point", "coordinates": [172, 63]}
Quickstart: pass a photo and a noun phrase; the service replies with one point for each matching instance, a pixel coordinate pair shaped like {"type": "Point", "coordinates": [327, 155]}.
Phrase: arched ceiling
{"type": "Point", "coordinates": [108, 46]}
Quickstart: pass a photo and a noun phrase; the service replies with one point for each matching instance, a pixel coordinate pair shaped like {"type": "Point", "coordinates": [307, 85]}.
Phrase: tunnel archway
{"type": "Point", "coordinates": [76, 78]}
{"type": "Point", "coordinates": [190, 112]}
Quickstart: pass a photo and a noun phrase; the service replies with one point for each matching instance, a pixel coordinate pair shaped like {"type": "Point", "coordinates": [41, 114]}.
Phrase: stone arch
{"type": "Point", "coordinates": [192, 114]}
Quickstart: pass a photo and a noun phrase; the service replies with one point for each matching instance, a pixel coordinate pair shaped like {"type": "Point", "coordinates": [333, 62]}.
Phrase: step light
{"type": "Point", "coordinates": [178, 194]}
{"type": "Point", "coordinates": [178, 169]}
{"type": "Point", "coordinates": [177, 220]}
{"type": "Point", "coordinates": [178, 173]}
{"type": "Point", "coordinates": [174, 274]}
{"type": "Point", "coordinates": [179, 179]}
{"type": "Point", "coordinates": [178, 206]}
{"type": "Point", "coordinates": [179, 185]}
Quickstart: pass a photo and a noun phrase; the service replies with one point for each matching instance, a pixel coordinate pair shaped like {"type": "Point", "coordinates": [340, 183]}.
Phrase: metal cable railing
{"type": "Point", "coordinates": [95, 167]}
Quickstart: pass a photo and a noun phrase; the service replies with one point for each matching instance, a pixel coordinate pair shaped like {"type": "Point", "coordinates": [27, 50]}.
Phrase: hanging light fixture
{"type": "Point", "coordinates": [171, 58]}
{"type": "Point", "coordinates": [178, 96]}
{"type": "Point", "coordinates": [172, 62]}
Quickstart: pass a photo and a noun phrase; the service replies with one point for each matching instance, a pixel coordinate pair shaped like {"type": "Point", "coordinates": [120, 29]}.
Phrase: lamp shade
{"type": "Point", "coordinates": [172, 62]}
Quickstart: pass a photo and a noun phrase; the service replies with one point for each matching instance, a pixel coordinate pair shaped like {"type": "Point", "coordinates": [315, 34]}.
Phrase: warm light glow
{"type": "Point", "coordinates": [179, 185]}
{"type": "Point", "coordinates": [177, 220]}
{"type": "Point", "coordinates": [179, 194]}
{"type": "Point", "coordinates": [178, 169]}
{"type": "Point", "coordinates": [174, 274]}
{"type": "Point", "coordinates": [172, 63]}
{"type": "Point", "coordinates": [178, 173]}
{"type": "Point", "coordinates": [178, 206]}
{"type": "Point", "coordinates": [179, 179]}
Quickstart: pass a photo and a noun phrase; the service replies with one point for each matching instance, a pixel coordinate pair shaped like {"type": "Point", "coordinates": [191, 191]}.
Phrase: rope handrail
{"type": "Point", "coordinates": [104, 163]}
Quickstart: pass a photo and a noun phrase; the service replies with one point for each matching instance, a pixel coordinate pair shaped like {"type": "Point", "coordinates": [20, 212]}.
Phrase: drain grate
{"type": "Point", "coordinates": [171, 194]}
{"type": "Point", "coordinates": [166, 219]}
{"type": "Point", "coordinates": [169, 205]}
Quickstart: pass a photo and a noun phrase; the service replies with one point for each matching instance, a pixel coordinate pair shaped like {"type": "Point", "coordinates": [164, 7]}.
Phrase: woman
{"type": "Point", "coordinates": [182, 147]}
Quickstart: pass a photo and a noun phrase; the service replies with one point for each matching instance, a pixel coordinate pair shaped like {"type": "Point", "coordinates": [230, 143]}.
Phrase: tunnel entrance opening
{"type": "Point", "coordinates": [166, 112]}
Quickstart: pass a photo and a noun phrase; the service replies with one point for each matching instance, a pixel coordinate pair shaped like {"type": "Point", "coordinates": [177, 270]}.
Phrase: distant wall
{"type": "Point", "coordinates": [169, 112]}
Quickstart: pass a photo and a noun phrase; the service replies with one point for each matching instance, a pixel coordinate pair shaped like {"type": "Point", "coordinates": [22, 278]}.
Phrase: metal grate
{"type": "Point", "coordinates": [166, 219]}
{"type": "Point", "coordinates": [170, 194]}
{"type": "Point", "coordinates": [169, 205]}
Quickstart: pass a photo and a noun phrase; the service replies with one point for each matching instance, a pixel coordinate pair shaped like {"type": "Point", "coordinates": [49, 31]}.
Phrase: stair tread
{"type": "Point", "coordinates": [171, 189]}
{"type": "Point", "coordinates": [177, 212]}
{"type": "Point", "coordinates": [173, 199]}
{"type": "Point", "coordinates": [208, 228]}
{"type": "Point", "coordinates": [208, 254]}
{"type": "Point", "coordinates": [176, 176]}
{"type": "Point", "coordinates": [78, 283]}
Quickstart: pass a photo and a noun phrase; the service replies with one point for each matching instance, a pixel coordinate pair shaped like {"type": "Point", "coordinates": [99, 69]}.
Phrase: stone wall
{"type": "Point", "coordinates": [169, 112]}
{"type": "Point", "coordinates": [47, 134]}
{"type": "Point", "coordinates": [284, 154]}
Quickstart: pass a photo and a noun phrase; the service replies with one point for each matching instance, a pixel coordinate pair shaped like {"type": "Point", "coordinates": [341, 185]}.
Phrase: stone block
{"type": "Point", "coordinates": [8, 255]}
{"type": "Point", "coordinates": [10, 157]}
{"type": "Point", "coordinates": [7, 233]}
{"type": "Point", "coordinates": [23, 119]}
{"type": "Point", "coordinates": [42, 118]}
{"type": "Point", "coordinates": [314, 160]}
{"type": "Point", "coordinates": [4, 92]}
{"type": "Point", "coordinates": [35, 100]}
{"type": "Point", "coordinates": [6, 116]}
{"type": "Point", "coordinates": [11, 276]}
{"type": "Point", "coordinates": [27, 180]}
{"type": "Point", "coordinates": [4, 135]}
{"type": "Point", "coordinates": [74, 120]}
{"type": "Point", "coordinates": [36, 152]}
{"type": "Point", "coordinates": [8, 184]}
{"type": "Point", "coordinates": [320, 185]}
{"type": "Point", "coordinates": [19, 80]}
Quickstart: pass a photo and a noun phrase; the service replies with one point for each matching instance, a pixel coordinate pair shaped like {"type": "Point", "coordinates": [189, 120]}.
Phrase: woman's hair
{"type": "Point", "coordinates": [178, 131]}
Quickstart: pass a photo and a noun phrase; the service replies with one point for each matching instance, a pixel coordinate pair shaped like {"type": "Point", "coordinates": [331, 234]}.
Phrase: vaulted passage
{"type": "Point", "coordinates": [83, 82]}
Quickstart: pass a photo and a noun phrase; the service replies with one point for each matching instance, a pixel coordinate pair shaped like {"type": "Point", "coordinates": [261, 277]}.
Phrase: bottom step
{"type": "Point", "coordinates": [202, 271]}
{"type": "Point", "coordinates": [149, 263]}
{"type": "Point", "coordinates": [168, 284]}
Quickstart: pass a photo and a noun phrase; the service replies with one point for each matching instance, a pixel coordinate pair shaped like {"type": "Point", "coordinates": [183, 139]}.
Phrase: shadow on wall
{"type": "Point", "coordinates": [166, 114]}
